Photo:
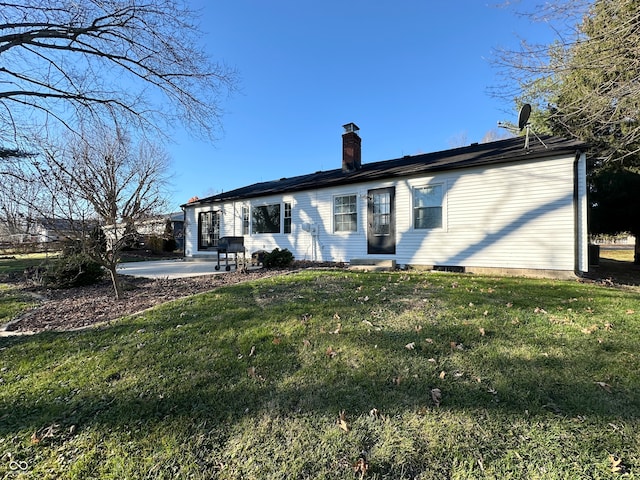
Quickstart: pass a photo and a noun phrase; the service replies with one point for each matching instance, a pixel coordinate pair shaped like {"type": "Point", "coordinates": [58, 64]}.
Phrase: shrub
{"type": "Point", "coordinates": [155, 244]}
{"type": "Point", "coordinates": [278, 258]}
{"type": "Point", "coordinates": [169, 244]}
{"type": "Point", "coordinates": [73, 270]}
{"type": "Point", "coordinates": [158, 245]}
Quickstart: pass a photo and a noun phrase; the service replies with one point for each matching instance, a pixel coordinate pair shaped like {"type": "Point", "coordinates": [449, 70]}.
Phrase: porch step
{"type": "Point", "coordinates": [374, 264]}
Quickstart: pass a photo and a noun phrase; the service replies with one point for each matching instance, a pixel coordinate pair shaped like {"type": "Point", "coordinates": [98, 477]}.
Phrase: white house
{"type": "Point", "coordinates": [486, 207]}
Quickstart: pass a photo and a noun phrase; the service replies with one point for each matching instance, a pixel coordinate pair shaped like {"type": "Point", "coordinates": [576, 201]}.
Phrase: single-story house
{"type": "Point", "coordinates": [61, 229]}
{"type": "Point", "coordinates": [492, 207]}
{"type": "Point", "coordinates": [153, 226]}
{"type": "Point", "coordinates": [157, 226]}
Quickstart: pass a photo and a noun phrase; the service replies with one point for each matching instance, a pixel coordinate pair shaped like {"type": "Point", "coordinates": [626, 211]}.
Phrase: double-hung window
{"type": "Point", "coordinates": [287, 218]}
{"type": "Point", "coordinates": [427, 206]}
{"type": "Point", "coordinates": [245, 220]}
{"type": "Point", "coordinates": [345, 213]}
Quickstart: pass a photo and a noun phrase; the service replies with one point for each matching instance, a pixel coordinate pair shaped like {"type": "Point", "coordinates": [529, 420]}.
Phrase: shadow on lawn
{"type": "Point", "coordinates": [615, 272]}
{"type": "Point", "coordinates": [223, 391]}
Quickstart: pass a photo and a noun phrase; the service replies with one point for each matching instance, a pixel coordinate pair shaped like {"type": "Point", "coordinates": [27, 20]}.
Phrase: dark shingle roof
{"type": "Point", "coordinates": [510, 150]}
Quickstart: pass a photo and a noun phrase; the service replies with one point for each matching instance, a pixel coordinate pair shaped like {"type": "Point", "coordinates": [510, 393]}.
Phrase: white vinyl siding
{"type": "Point", "coordinates": [507, 216]}
{"type": "Point", "coordinates": [513, 215]}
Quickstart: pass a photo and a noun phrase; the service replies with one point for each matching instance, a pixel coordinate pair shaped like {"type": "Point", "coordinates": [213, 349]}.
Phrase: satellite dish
{"type": "Point", "coordinates": [523, 123]}
{"type": "Point", "coordinates": [523, 116]}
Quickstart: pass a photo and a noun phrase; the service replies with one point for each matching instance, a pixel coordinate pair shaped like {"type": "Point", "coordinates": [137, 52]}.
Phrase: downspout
{"type": "Point", "coordinates": [184, 232]}
{"type": "Point", "coordinates": [581, 232]}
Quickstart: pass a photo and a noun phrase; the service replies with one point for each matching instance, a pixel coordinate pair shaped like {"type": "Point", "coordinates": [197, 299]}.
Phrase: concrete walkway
{"type": "Point", "coordinates": [170, 268]}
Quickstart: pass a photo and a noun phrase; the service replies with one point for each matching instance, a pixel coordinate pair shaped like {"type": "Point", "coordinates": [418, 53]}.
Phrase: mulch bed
{"type": "Point", "coordinates": [69, 309]}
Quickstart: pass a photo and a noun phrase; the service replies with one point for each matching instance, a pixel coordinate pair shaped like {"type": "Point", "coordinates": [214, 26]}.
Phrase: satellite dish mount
{"type": "Point", "coordinates": [523, 124]}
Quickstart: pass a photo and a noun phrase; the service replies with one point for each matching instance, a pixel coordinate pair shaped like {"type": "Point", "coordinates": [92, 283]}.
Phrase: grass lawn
{"type": "Point", "coordinates": [617, 254]}
{"type": "Point", "coordinates": [337, 375]}
{"type": "Point", "coordinates": [12, 302]}
{"type": "Point", "coordinates": [19, 262]}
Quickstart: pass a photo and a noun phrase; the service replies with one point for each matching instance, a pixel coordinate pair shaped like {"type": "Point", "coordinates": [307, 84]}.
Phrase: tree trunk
{"type": "Point", "coordinates": [116, 283]}
{"type": "Point", "coordinates": [636, 251]}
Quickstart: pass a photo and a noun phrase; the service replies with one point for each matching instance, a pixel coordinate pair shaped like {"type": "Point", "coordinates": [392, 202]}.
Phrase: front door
{"type": "Point", "coordinates": [381, 230]}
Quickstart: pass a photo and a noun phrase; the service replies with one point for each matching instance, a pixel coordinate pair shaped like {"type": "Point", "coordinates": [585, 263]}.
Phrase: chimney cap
{"type": "Point", "coordinates": [350, 127]}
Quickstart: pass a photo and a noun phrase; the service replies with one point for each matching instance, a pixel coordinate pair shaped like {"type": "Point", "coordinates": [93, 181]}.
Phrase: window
{"type": "Point", "coordinates": [382, 213]}
{"type": "Point", "coordinates": [427, 206]}
{"type": "Point", "coordinates": [345, 214]}
{"type": "Point", "coordinates": [287, 218]}
{"type": "Point", "coordinates": [245, 220]}
{"type": "Point", "coordinates": [208, 230]}
{"type": "Point", "coordinates": [266, 219]}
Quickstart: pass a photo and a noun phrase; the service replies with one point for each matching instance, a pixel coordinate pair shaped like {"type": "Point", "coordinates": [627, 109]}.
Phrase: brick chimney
{"type": "Point", "coordinates": [351, 149]}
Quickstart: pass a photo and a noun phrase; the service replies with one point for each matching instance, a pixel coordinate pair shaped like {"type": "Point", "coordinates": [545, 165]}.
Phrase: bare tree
{"type": "Point", "coordinates": [16, 215]}
{"type": "Point", "coordinates": [135, 65]}
{"type": "Point", "coordinates": [460, 139]}
{"type": "Point", "coordinates": [66, 60]}
{"type": "Point", "coordinates": [101, 180]}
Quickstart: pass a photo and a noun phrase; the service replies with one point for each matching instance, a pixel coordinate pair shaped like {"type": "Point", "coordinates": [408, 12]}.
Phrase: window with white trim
{"type": "Point", "coordinates": [245, 220]}
{"type": "Point", "coordinates": [427, 206]}
{"type": "Point", "coordinates": [265, 218]}
{"type": "Point", "coordinates": [345, 213]}
{"type": "Point", "coordinates": [208, 230]}
{"type": "Point", "coordinates": [287, 217]}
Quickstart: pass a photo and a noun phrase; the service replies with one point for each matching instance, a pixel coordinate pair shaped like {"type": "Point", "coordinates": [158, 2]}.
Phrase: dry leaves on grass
{"type": "Point", "coordinates": [342, 421]}
{"type": "Point", "coordinates": [330, 352]}
{"type": "Point", "coordinates": [47, 432]}
{"type": "Point", "coordinates": [605, 386]}
{"type": "Point", "coordinates": [616, 464]}
{"type": "Point", "coordinates": [375, 413]}
{"type": "Point", "coordinates": [361, 466]}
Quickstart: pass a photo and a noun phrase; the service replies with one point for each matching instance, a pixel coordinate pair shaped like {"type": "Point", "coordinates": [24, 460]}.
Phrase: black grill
{"type": "Point", "coordinates": [231, 246]}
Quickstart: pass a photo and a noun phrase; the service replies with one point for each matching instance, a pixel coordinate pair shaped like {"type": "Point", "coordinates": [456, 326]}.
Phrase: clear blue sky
{"type": "Point", "coordinates": [414, 75]}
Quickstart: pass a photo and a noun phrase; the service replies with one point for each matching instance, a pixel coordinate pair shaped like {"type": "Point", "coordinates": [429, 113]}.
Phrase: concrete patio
{"type": "Point", "coordinates": [171, 268]}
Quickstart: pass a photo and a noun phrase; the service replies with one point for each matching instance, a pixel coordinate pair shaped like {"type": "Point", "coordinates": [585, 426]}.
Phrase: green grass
{"type": "Point", "coordinates": [620, 255]}
{"type": "Point", "coordinates": [12, 302]}
{"type": "Point", "coordinates": [249, 381]}
{"type": "Point", "coordinates": [12, 264]}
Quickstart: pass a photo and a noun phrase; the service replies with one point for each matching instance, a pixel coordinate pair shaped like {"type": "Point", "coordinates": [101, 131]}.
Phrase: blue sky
{"type": "Point", "coordinates": [414, 75]}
